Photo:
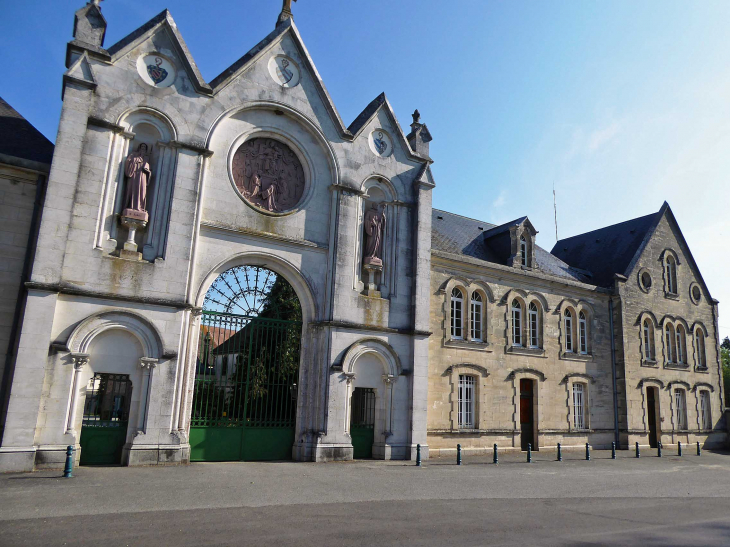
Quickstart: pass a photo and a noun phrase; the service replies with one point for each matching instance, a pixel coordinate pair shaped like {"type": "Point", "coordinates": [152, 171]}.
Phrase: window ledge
{"type": "Point", "coordinates": [533, 352]}
{"type": "Point", "coordinates": [649, 363]}
{"type": "Point", "coordinates": [467, 344]}
{"type": "Point", "coordinates": [572, 356]}
{"type": "Point", "coordinates": [676, 366]}
{"type": "Point", "coordinates": [703, 370]}
{"type": "Point", "coordinates": [671, 295]}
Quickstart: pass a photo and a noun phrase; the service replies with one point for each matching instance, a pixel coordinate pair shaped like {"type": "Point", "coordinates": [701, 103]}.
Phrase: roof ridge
{"type": "Point", "coordinates": [583, 234]}
{"type": "Point", "coordinates": [467, 218]}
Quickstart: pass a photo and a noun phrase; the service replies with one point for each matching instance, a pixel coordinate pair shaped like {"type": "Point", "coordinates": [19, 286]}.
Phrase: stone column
{"type": "Point", "coordinates": [148, 364]}
{"type": "Point", "coordinates": [388, 394]}
{"type": "Point", "coordinates": [186, 397]}
{"type": "Point", "coordinates": [349, 378]}
{"type": "Point", "coordinates": [79, 360]}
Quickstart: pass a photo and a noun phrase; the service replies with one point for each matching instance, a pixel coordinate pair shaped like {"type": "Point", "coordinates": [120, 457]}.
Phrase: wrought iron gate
{"type": "Point", "coordinates": [245, 394]}
{"type": "Point", "coordinates": [362, 422]}
{"type": "Point", "coordinates": [106, 415]}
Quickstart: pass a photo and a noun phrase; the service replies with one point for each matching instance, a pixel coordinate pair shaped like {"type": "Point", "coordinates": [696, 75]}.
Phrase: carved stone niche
{"type": "Point", "coordinates": [376, 243]}
{"type": "Point", "coordinates": [268, 175]}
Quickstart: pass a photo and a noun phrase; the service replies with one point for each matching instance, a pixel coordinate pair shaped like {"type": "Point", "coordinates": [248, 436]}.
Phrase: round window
{"type": "Point", "coordinates": [646, 281]}
{"type": "Point", "coordinates": [696, 293]}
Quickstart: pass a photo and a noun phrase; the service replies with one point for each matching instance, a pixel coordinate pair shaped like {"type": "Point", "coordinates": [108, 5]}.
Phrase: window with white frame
{"type": "Point", "coordinates": [583, 332]}
{"type": "Point", "coordinates": [700, 338]}
{"type": "Point", "coordinates": [516, 323]}
{"type": "Point", "coordinates": [648, 340]}
{"type": "Point", "coordinates": [534, 322]}
{"type": "Point", "coordinates": [568, 323]}
{"type": "Point", "coordinates": [476, 317]}
{"type": "Point", "coordinates": [457, 314]}
{"type": "Point", "coordinates": [579, 406]}
{"type": "Point", "coordinates": [670, 342]}
{"type": "Point", "coordinates": [671, 274]}
{"type": "Point", "coordinates": [523, 250]}
{"type": "Point", "coordinates": [705, 410]}
{"type": "Point", "coordinates": [681, 345]}
{"type": "Point", "coordinates": [680, 409]}
{"type": "Point", "coordinates": [466, 401]}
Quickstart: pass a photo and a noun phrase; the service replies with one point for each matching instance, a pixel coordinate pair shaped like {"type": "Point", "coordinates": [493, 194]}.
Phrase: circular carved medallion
{"type": "Point", "coordinates": [156, 70]}
{"type": "Point", "coordinates": [284, 71]}
{"type": "Point", "coordinates": [380, 143]}
{"type": "Point", "coordinates": [268, 174]}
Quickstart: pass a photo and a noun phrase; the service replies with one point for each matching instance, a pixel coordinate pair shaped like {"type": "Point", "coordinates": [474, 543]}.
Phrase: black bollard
{"type": "Point", "coordinates": [560, 453]}
{"type": "Point", "coordinates": [659, 449]}
{"type": "Point", "coordinates": [418, 455]}
{"type": "Point", "coordinates": [68, 470]}
{"type": "Point", "coordinates": [679, 448]}
{"type": "Point", "coordinates": [496, 456]}
{"type": "Point", "coordinates": [699, 450]}
{"type": "Point", "coordinates": [588, 452]}
{"type": "Point", "coordinates": [529, 452]}
{"type": "Point", "coordinates": [637, 450]}
{"type": "Point", "coordinates": [613, 450]}
{"type": "Point", "coordinates": [458, 454]}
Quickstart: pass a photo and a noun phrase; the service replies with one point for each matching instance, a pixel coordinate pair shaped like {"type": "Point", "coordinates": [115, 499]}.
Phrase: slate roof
{"type": "Point", "coordinates": [607, 251]}
{"type": "Point", "coordinates": [18, 138]}
{"type": "Point", "coordinates": [459, 235]}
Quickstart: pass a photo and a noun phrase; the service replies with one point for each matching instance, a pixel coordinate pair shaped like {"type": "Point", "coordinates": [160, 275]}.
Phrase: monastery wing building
{"type": "Point", "coordinates": [225, 271]}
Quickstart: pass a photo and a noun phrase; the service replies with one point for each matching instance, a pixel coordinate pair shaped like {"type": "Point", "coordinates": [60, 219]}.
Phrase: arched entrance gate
{"type": "Point", "coordinates": [245, 393]}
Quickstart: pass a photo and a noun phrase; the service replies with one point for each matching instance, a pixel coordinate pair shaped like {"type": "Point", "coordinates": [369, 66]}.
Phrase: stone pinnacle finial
{"type": "Point", "coordinates": [285, 12]}
{"type": "Point", "coordinates": [96, 3]}
{"type": "Point", "coordinates": [416, 116]}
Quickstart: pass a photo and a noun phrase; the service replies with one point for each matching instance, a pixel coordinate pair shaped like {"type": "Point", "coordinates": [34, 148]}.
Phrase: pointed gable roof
{"type": "Point", "coordinates": [19, 139]}
{"type": "Point", "coordinates": [610, 250]}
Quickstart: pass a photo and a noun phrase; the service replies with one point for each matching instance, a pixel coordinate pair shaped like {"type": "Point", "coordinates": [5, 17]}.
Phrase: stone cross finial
{"type": "Point", "coordinates": [285, 12]}
{"type": "Point", "coordinates": [416, 116]}
{"type": "Point", "coordinates": [96, 3]}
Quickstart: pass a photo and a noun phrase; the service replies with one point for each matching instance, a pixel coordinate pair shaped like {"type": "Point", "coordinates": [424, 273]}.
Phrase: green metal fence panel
{"type": "Point", "coordinates": [362, 423]}
{"type": "Point", "coordinates": [106, 415]}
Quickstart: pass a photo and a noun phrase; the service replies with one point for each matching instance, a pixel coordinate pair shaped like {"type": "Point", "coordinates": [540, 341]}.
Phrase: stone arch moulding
{"type": "Point", "coordinates": [467, 367]}
{"type": "Point", "coordinates": [157, 105]}
{"type": "Point", "coordinates": [644, 381]}
{"type": "Point", "coordinates": [682, 383]}
{"type": "Point", "coordinates": [301, 285]}
{"type": "Point", "coordinates": [127, 119]}
{"type": "Point", "coordinates": [668, 251]}
{"type": "Point", "coordinates": [376, 178]}
{"type": "Point", "coordinates": [147, 334]}
{"type": "Point", "coordinates": [388, 357]}
{"type": "Point", "coordinates": [699, 385]}
{"type": "Point", "coordinates": [529, 371]}
{"type": "Point", "coordinates": [287, 109]}
{"type": "Point", "coordinates": [675, 320]}
{"type": "Point", "coordinates": [586, 377]}
{"type": "Point", "coordinates": [643, 315]}
{"type": "Point", "coordinates": [700, 325]}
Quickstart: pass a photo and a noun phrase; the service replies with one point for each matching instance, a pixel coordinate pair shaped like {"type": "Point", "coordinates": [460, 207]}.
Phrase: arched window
{"type": "Point", "coordinates": [671, 274]}
{"type": "Point", "coordinates": [523, 250]}
{"type": "Point", "coordinates": [516, 323]}
{"type": "Point", "coordinates": [579, 421]}
{"type": "Point", "coordinates": [476, 317]}
{"type": "Point", "coordinates": [701, 359]}
{"type": "Point", "coordinates": [466, 401]}
{"type": "Point", "coordinates": [680, 409]}
{"type": "Point", "coordinates": [670, 342]}
{"type": "Point", "coordinates": [681, 345]}
{"type": "Point", "coordinates": [583, 332]}
{"type": "Point", "coordinates": [457, 311]}
{"type": "Point", "coordinates": [705, 410]}
{"type": "Point", "coordinates": [568, 322]}
{"type": "Point", "coordinates": [534, 318]}
{"type": "Point", "coordinates": [648, 340]}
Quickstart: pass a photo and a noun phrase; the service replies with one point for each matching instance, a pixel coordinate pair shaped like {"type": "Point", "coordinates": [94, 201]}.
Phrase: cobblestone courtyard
{"type": "Point", "coordinates": [649, 501]}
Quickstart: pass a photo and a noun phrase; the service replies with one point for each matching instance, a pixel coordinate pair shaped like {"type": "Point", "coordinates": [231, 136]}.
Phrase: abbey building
{"type": "Point", "coordinates": [226, 271]}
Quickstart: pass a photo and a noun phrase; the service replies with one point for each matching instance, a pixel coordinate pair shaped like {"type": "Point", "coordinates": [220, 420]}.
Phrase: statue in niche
{"type": "Point", "coordinates": [138, 172]}
{"type": "Point", "coordinates": [268, 174]}
{"type": "Point", "coordinates": [374, 224]}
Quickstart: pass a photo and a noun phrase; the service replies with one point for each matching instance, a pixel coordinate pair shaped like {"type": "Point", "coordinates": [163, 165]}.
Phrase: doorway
{"type": "Point", "coordinates": [106, 416]}
{"type": "Point", "coordinates": [652, 412]}
{"type": "Point", "coordinates": [362, 423]}
{"type": "Point", "coordinates": [527, 414]}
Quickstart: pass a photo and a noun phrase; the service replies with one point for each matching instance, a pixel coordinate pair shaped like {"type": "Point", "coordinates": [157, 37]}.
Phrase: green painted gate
{"type": "Point", "coordinates": [106, 415]}
{"type": "Point", "coordinates": [362, 423]}
{"type": "Point", "coordinates": [245, 394]}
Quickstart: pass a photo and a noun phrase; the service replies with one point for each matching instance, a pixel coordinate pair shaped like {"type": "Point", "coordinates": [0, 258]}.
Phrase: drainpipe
{"type": "Point", "coordinates": [613, 370]}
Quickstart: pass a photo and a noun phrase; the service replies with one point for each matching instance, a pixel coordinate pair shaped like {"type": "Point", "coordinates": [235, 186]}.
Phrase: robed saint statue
{"type": "Point", "coordinates": [138, 172]}
{"type": "Point", "coordinates": [374, 222]}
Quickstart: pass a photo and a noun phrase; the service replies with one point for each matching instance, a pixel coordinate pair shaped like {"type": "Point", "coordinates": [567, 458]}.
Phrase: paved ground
{"type": "Point", "coordinates": [650, 501]}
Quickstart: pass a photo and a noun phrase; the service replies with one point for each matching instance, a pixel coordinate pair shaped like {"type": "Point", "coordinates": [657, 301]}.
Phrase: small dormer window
{"type": "Point", "coordinates": [523, 251]}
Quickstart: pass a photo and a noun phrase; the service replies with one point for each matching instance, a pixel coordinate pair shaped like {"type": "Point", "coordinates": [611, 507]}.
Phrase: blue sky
{"type": "Point", "coordinates": [621, 105]}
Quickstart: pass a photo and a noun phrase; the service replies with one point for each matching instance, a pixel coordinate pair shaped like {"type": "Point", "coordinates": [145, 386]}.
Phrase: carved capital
{"type": "Point", "coordinates": [389, 379]}
{"type": "Point", "coordinates": [147, 363]}
{"type": "Point", "coordinates": [79, 360]}
{"type": "Point", "coordinates": [349, 377]}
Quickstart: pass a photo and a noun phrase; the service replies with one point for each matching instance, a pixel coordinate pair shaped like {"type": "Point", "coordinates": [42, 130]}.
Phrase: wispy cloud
{"type": "Point", "coordinates": [501, 200]}
{"type": "Point", "coordinates": [600, 137]}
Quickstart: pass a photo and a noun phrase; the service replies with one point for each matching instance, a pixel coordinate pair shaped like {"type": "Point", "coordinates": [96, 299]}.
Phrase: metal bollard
{"type": "Point", "coordinates": [659, 449]}
{"type": "Point", "coordinates": [496, 455]}
{"type": "Point", "coordinates": [560, 453]}
{"type": "Point", "coordinates": [679, 448]}
{"type": "Point", "coordinates": [67, 471]}
{"type": "Point", "coordinates": [613, 450]}
{"type": "Point", "coordinates": [529, 452]}
{"type": "Point", "coordinates": [637, 450]}
{"type": "Point", "coordinates": [418, 455]}
{"type": "Point", "coordinates": [458, 454]}
{"type": "Point", "coordinates": [588, 452]}
{"type": "Point", "coordinates": [699, 450]}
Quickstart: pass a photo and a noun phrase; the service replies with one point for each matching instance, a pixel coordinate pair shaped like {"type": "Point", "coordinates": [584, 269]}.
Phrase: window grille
{"type": "Point", "coordinates": [516, 324]}
{"type": "Point", "coordinates": [476, 317]}
{"type": "Point", "coordinates": [534, 326]}
{"type": "Point", "coordinates": [705, 410]}
{"type": "Point", "coordinates": [457, 303]}
{"type": "Point", "coordinates": [466, 401]}
{"type": "Point", "coordinates": [583, 328]}
{"type": "Point", "coordinates": [568, 331]}
{"type": "Point", "coordinates": [648, 340]}
{"type": "Point", "coordinates": [108, 399]}
{"type": "Point", "coordinates": [700, 337]}
{"type": "Point", "coordinates": [523, 250]}
{"type": "Point", "coordinates": [680, 409]}
{"type": "Point", "coordinates": [578, 406]}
